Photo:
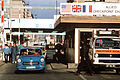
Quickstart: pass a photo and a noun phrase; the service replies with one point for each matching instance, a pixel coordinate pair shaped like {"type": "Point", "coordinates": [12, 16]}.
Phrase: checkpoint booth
{"type": "Point", "coordinates": [79, 18]}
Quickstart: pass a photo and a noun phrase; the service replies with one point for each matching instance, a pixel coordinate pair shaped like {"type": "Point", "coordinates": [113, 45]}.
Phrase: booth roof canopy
{"type": "Point", "coordinates": [66, 21]}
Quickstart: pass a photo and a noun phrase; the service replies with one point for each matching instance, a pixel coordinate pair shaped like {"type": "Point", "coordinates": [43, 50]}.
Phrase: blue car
{"type": "Point", "coordinates": [31, 59]}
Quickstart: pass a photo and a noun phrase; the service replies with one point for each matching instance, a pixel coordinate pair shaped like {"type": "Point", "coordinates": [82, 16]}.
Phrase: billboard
{"type": "Point", "coordinates": [31, 23]}
{"type": "Point", "coordinates": [90, 9]}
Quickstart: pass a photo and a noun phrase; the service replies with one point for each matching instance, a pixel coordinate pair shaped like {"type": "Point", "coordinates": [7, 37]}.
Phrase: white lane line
{"type": "Point", "coordinates": [82, 77]}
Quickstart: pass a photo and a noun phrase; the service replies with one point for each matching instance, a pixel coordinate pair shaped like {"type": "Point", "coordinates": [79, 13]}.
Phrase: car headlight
{"type": "Point", "coordinates": [42, 59]}
{"type": "Point", "coordinates": [19, 60]}
{"type": "Point", "coordinates": [95, 55]}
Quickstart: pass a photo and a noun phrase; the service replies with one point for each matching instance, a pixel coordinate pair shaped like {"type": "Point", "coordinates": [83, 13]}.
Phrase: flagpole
{"type": "Point", "coordinates": [56, 10]}
{"type": "Point", "coordinates": [77, 1]}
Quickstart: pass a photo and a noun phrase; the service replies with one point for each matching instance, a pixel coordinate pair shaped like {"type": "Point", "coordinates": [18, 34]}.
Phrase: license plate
{"type": "Point", "coordinates": [30, 67]}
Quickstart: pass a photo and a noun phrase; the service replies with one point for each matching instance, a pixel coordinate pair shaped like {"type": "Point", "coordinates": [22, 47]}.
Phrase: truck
{"type": "Point", "coordinates": [106, 49]}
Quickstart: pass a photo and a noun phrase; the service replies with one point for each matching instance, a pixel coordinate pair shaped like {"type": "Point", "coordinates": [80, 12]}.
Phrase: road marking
{"type": "Point", "coordinates": [82, 77]}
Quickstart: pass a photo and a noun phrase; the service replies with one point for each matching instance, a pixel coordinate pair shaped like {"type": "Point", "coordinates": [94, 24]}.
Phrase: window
{"type": "Point", "coordinates": [106, 43]}
{"type": "Point", "coordinates": [102, 0]}
{"type": "Point", "coordinates": [71, 1]}
{"type": "Point", "coordinates": [99, 0]}
{"type": "Point", "coordinates": [30, 52]}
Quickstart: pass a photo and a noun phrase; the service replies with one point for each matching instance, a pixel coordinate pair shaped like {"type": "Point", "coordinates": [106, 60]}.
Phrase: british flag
{"type": "Point", "coordinates": [76, 8]}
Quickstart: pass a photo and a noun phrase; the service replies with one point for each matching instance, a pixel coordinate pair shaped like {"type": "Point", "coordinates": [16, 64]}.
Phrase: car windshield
{"type": "Point", "coordinates": [30, 52]}
{"type": "Point", "coordinates": [107, 43]}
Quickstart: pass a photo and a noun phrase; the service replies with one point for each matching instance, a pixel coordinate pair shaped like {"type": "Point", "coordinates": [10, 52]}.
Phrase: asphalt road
{"type": "Point", "coordinates": [7, 72]}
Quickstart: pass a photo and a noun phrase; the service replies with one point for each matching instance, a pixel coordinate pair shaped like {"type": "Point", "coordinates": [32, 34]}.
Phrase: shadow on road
{"type": "Point", "coordinates": [28, 72]}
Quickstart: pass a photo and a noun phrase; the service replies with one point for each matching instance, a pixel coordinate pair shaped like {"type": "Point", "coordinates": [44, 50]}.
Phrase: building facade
{"type": "Point", "coordinates": [111, 1]}
{"type": "Point", "coordinates": [10, 14]}
{"type": "Point", "coordinates": [14, 13]}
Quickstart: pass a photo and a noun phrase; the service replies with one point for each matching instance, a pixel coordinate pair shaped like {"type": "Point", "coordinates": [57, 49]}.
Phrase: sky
{"type": "Point", "coordinates": [44, 14]}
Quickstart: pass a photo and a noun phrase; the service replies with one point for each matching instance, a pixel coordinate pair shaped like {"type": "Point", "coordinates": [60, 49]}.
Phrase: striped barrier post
{"type": "Point", "coordinates": [2, 21]}
{"type": "Point", "coordinates": [2, 27]}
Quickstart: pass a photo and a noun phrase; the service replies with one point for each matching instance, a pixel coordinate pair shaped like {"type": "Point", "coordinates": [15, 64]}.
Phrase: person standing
{"type": "Point", "coordinates": [57, 56]}
{"type": "Point", "coordinates": [6, 51]}
{"type": "Point", "coordinates": [82, 58]}
{"type": "Point", "coordinates": [17, 54]}
{"type": "Point", "coordinates": [20, 47]}
{"type": "Point", "coordinates": [85, 63]}
{"type": "Point", "coordinates": [14, 51]}
{"type": "Point", "coordinates": [10, 55]}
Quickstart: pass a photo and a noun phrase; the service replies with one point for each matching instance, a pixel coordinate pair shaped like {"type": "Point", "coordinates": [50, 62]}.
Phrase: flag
{"type": "Point", "coordinates": [84, 8]}
{"type": "Point", "coordinates": [90, 8]}
{"type": "Point", "coordinates": [66, 8]}
{"type": "Point", "coordinates": [78, 8]}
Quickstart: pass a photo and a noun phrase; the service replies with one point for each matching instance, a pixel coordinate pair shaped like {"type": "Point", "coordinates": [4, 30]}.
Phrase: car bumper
{"type": "Point", "coordinates": [30, 68]}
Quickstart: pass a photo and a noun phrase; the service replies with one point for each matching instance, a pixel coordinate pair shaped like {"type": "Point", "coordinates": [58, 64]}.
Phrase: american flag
{"type": "Point", "coordinates": [66, 8]}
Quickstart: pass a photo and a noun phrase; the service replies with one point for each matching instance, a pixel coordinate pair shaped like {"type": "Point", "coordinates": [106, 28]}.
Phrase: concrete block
{"type": "Point", "coordinates": [72, 65]}
{"type": "Point", "coordinates": [58, 66]}
{"type": "Point", "coordinates": [48, 67]}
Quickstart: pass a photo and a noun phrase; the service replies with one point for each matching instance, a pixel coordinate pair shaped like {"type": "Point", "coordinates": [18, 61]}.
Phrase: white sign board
{"type": "Point", "coordinates": [90, 9]}
{"type": "Point", "coordinates": [32, 23]}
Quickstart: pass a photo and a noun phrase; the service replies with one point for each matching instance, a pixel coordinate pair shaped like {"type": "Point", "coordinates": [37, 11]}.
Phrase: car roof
{"type": "Point", "coordinates": [31, 48]}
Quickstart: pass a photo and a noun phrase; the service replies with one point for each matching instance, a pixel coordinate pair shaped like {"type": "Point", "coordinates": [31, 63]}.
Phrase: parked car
{"type": "Point", "coordinates": [31, 59]}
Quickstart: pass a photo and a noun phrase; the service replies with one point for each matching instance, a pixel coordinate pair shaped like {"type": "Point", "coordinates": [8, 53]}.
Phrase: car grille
{"type": "Point", "coordinates": [109, 55]}
{"type": "Point", "coordinates": [109, 61]}
{"type": "Point", "coordinates": [30, 63]}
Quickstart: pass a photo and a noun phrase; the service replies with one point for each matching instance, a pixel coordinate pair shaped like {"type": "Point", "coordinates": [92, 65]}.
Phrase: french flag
{"type": "Point", "coordinates": [90, 8]}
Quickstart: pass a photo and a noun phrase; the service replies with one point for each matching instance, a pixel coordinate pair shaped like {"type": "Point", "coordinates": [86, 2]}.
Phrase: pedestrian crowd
{"type": "Point", "coordinates": [11, 52]}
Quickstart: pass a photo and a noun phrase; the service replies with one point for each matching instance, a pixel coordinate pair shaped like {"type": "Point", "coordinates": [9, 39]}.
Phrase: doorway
{"type": "Point", "coordinates": [85, 38]}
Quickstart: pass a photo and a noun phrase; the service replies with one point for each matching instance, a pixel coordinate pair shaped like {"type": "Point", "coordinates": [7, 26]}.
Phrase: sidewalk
{"type": "Point", "coordinates": [1, 56]}
{"type": "Point", "coordinates": [63, 67]}
{"type": "Point", "coordinates": [1, 63]}
{"type": "Point", "coordinates": [58, 66]}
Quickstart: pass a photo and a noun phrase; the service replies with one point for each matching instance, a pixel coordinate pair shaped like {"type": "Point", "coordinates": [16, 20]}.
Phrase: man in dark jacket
{"type": "Point", "coordinates": [85, 64]}
{"type": "Point", "coordinates": [58, 56]}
